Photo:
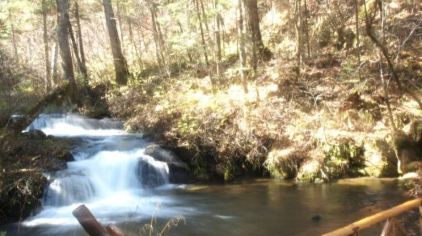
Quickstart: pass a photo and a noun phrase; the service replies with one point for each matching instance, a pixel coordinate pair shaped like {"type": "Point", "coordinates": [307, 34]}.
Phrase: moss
{"type": "Point", "coordinates": [284, 163]}
{"type": "Point", "coordinates": [310, 171]}
{"type": "Point", "coordinates": [343, 159]}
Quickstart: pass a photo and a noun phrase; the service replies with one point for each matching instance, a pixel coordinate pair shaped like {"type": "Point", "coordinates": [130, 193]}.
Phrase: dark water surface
{"type": "Point", "coordinates": [258, 207]}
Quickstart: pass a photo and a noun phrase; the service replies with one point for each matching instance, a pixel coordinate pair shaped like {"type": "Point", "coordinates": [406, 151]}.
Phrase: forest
{"type": "Point", "coordinates": [310, 91]}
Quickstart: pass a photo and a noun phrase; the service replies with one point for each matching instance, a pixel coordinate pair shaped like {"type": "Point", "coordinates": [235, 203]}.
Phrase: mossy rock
{"type": "Point", "coordinates": [20, 195]}
{"type": "Point", "coordinates": [284, 163]}
{"type": "Point", "coordinates": [343, 159]}
{"type": "Point", "coordinates": [380, 159]}
{"type": "Point", "coordinates": [310, 171]}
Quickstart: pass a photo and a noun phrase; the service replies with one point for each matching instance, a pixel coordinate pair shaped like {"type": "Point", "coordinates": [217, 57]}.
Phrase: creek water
{"type": "Point", "coordinates": [122, 185]}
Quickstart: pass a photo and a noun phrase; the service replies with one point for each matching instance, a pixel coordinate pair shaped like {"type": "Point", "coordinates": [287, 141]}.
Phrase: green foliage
{"type": "Point", "coordinates": [344, 159]}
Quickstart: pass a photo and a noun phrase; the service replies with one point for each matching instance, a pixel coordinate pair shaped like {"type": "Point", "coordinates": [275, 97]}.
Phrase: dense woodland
{"type": "Point", "coordinates": [308, 89]}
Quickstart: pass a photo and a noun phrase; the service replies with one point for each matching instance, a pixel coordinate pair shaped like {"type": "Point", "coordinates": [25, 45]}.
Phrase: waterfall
{"type": "Point", "coordinates": [111, 173]}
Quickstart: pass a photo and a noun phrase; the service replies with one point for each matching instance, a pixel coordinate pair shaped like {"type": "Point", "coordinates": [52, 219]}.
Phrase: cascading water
{"type": "Point", "coordinates": [111, 173]}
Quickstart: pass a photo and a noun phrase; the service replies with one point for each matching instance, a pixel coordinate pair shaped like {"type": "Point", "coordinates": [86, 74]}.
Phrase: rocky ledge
{"type": "Point", "coordinates": [23, 160]}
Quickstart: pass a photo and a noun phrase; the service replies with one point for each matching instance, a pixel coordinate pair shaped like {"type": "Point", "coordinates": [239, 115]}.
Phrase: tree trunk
{"type": "Point", "coordinates": [217, 40]}
{"type": "Point", "coordinates": [357, 35]}
{"type": "Point", "coordinates": [306, 28]}
{"type": "Point", "coordinates": [135, 45]}
{"type": "Point", "coordinates": [242, 54]}
{"type": "Point", "coordinates": [63, 39]}
{"type": "Point", "coordinates": [81, 67]}
{"type": "Point", "coordinates": [120, 24]}
{"type": "Point", "coordinates": [81, 43]}
{"type": "Point", "coordinates": [14, 41]}
{"type": "Point", "coordinates": [158, 46]}
{"type": "Point", "coordinates": [298, 28]}
{"type": "Point", "coordinates": [384, 51]}
{"type": "Point", "coordinates": [120, 64]}
{"type": "Point", "coordinates": [46, 48]}
{"type": "Point", "coordinates": [253, 22]}
{"type": "Point", "coordinates": [204, 44]}
{"type": "Point", "coordinates": [54, 59]}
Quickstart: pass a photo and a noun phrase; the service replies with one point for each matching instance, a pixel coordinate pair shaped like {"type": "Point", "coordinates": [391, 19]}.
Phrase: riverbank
{"type": "Point", "coordinates": [24, 158]}
{"type": "Point", "coordinates": [280, 127]}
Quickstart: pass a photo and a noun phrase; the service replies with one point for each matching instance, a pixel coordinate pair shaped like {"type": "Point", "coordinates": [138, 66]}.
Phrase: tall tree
{"type": "Point", "coordinates": [356, 2]}
{"type": "Point", "coordinates": [298, 28]}
{"type": "Point", "coordinates": [82, 68]}
{"type": "Point", "coordinates": [217, 39]}
{"type": "Point", "coordinates": [159, 42]}
{"type": "Point", "coordinates": [14, 40]}
{"type": "Point", "coordinates": [120, 64]}
{"type": "Point", "coordinates": [81, 43]}
{"type": "Point", "coordinates": [251, 7]}
{"type": "Point", "coordinates": [63, 39]}
{"type": "Point", "coordinates": [46, 47]}
{"type": "Point", "coordinates": [204, 44]}
{"type": "Point", "coordinates": [242, 50]}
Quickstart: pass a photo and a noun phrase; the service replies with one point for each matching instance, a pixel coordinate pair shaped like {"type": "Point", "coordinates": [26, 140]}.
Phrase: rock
{"type": "Point", "coordinates": [380, 159]}
{"type": "Point", "coordinates": [343, 158]}
{"type": "Point", "coordinates": [179, 171]}
{"type": "Point", "coordinates": [284, 163]}
{"type": "Point", "coordinates": [309, 171]}
{"type": "Point", "coordinates": [149, 175]}
{"type": "Point", "coordinates": [408, 151]}
{"type": "Point", "coordinates": [316, 218]}
{"type": "Point", "coordinates": [36, 134]}
{"type": "Point", "coordinates": [23, 160]}
{"type": "Point", "coordinates": [20, 194]}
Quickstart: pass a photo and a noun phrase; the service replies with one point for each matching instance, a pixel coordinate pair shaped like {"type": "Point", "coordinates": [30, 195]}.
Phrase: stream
{"type": "Point", "coordinates": [120, 184]}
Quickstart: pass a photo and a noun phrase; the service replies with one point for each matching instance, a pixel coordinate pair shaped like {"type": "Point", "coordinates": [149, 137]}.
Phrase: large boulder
{"type": "Point", "coordinates": [380, 159]}
{"type": "Point", "coordinates": [178, 170]}
{"type": "Point", "coordinates": [149, 175]}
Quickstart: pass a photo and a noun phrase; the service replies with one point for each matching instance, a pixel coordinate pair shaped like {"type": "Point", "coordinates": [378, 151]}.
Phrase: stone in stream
{"type": "Point", "coordinates": [178, 170]}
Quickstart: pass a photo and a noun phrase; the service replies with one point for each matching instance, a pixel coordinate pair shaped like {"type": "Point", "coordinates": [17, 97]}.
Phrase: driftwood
{"type": "Point", "coordinates": [92, 226]}
{"type": "Point", "coordinates": [57, 95]}
{"type": "Point", "coordinates": [369, 221]}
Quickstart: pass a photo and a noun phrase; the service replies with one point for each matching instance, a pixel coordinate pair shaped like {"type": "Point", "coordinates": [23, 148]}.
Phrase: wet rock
{"type": "Point", "coordinates": [149, 175]}
{"type": "Point", "coordinates": [316, 218]}
{"type": "Point", "coordinates": [36, 134]}
{"type": "Point", "coordinates": [178, 170]}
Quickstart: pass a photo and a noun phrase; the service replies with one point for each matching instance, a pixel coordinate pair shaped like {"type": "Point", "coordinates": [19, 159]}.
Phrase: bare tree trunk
{"type": "Point", "coordinates": [204, 45]}
{"type": "Point", "coordinates": [298, 28]}
{"type": "Point", "coordinates": [306, 26]}
{"type": "Point", "coordinates": [357, 36]}
{"type": "Point", "coordinates": [384, 50]}
{"type": "Point", "coordinates": [253, 22]}
{"type": "Point", "coordinates": [63, 39]}
{"type": "Point", "coordinates": [120, 64]}
{"type": "Point", "coordinates": [217, 40]}
{"type": "Point", "coordinates": [120, 24]}
{"type": "Point", "coordinates": [81, 43]}
{"type": "Point", "coordinates": [46, 48]}
{"type": "Point", "coordinates": [242, 54]}
{"type": "Point", "coordinates": [135, 45]}
{"type": "Point", "coordinates": [14, 41]}
{"type": "Point", "coordinates": [55, 56]}
{"type": "Point", "coordinates": [158, 49]}
{"type": "Point", "coordinates": [384, 83]}
{"type": "Point", "coordinates": [81, 67]}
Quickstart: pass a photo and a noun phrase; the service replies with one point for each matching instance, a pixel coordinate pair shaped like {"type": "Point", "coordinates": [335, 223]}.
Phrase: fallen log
{"type": "Point", "coordinates": [92, 226]}
{"type": "Point", "coordinates": [58, 95]}
{"type": "Point", "coordinates": [89, 222]}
